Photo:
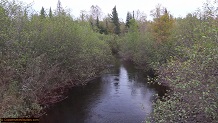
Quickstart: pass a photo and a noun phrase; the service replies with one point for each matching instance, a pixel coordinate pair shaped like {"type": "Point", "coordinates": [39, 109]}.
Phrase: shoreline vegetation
{"type": "Point", "coordinates": [44, 54]}
{"type": "Point", "coordinates": [41, 56]}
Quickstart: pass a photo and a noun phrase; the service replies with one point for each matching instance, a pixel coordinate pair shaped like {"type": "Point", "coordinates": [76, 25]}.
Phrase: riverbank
{"type": "Point", "coordinates": [60, 94]}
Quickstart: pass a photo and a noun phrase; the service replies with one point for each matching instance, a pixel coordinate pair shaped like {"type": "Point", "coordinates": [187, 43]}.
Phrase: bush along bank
{"type": "Point", "coordinates": [192, 73]}
{"type": "Point", "coordinates": [184, 53]}
{"type": "Point", "coordinates": [42, 55]}
{"type": "Point", "coordinates": [192, 76]}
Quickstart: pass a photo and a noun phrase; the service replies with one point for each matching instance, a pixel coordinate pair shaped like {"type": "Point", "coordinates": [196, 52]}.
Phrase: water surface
{"type": "Point", "coordinates": [120, 96]}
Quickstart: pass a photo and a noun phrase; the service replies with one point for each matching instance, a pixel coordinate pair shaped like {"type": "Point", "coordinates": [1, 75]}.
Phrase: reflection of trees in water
{"type": "Point", "coordinates": [117, 87]}
{"type": "Point", "coordinates": [116, 83]}
{"type": "Point", "coordinates": [138, 78]}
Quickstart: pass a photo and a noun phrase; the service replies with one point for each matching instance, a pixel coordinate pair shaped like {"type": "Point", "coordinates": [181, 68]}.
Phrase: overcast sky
{"type": "Point", "coordinates": [178, 8]}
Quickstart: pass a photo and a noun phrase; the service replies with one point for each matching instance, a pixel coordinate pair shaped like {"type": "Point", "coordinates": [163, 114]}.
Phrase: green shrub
{"type": "Point", "coordinates": [191, 74]}
{"type": "Point", "coordinates": [43, 56]}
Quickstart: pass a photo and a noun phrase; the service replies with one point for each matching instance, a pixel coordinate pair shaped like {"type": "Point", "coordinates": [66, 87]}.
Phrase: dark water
{"type": "Point", "coordinates": [120, 96]}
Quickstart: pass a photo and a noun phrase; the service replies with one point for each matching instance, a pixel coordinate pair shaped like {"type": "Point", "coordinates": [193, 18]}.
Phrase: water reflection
{"type": "Point", "coordinates": [121, 96]}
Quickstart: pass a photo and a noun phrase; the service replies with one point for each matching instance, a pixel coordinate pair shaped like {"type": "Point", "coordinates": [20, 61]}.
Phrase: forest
{"type": "Point", "coordinates": [44, 54]}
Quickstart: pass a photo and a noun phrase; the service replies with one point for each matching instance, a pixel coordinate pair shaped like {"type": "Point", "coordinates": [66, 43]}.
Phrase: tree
{"type": "Point", "coordinates": [42, 13]}
{"type": "Point", "coordinates": [60, 10]}
{"type": "Point", "coordinates": [50, 13]}
{"type": "Point", "coordinates": [162, 25]}
{"type": "Point", "coordinates": [83, 15]}
{"type": "Point", "coordinates": [156, 13]}
{"type": "Point", "coordinates": [128, 18]}
{"type": "Point", "coordinates": [96, 12]}
{"type": "Point", "coordinates": [107, 25]}
{"type": "Point", "coordinates": [115, 21]}
{"type": "Point", "coordinates": [133, 15]}
{"type": "Point", "coordinates": [140, 16]}
{"type": "Point", "coordinates": [5, 22]}
{"type": "Point", "coordinates": [97, 22]}
{"type": "Point", "coordinates": [95, 15]}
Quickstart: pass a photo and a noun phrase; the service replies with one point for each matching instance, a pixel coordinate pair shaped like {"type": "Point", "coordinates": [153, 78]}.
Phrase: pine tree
{"type": "Point", "coordinates": [97, 22]}
{"type": "Point", "coordinates": [107, 26]}
{"type": "Point", "coordinates": [133, 13]}
{"type": "Point", "coordinates": [60, 10]}
{"type": "Point", "coordinates": [128, 18]}
{"type": "Point", "coordinates": [42, 13]}
{"type": "Point", "coordinates": [50, 13]}
{"type": "Point", "coordinates": [115, 21]}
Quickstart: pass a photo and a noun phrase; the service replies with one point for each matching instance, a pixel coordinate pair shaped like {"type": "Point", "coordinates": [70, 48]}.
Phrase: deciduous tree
{"type": "Point", "coordinates": [162, 24]}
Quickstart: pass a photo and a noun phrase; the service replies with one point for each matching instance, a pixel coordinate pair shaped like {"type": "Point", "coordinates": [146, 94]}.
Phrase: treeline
{"type": "Point", "coordinates": [43, 54]}
{"type": "Point", "coordinates": [184, 54]}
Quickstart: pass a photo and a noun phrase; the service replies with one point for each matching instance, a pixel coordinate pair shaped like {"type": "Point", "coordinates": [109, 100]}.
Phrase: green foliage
{"type": "Point", "coordinates": [184, 51]}
{"type": "Point", "coordinates": [191, 73]}
{"type": "Point", "coordinates": [40, 57]}
{"type": "Point", "coordinates": [130, 41]}
{"type": "Point", "coordinates": [142, 48]}
{"type": "Point", "coordinates": [162, 27]}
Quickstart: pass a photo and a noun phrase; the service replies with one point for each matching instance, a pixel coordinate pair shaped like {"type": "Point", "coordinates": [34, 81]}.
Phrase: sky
{"type": "Point", "coordinates": [178, 8]}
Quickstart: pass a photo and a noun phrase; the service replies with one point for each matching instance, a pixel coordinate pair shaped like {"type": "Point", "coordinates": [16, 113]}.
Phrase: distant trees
{"type": "Point", "coordinates": [108, 25]}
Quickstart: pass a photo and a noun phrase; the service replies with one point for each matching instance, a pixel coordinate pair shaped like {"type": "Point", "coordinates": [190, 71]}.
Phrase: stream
{"type": "Point", "coordinates": [119, 96]}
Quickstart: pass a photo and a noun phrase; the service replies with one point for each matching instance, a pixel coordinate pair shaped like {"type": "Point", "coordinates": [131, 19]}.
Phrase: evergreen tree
{"type": "Point", "coordinates": [133, 13]}
{"type": "Point", "coordinates": [60, 10]}
{"type": "Point", "coordinates": [97, 22]}
{"type": "Point", "coordinates": [50, 13]}
{"type": "Point", "coordinates": [42, 13]}
{"type": "Point", "coordinates": [115, 21]}
{"type": "Point", "coordinates": [107, 30]}
{"type": "Point", "coordinates": [128, 18]}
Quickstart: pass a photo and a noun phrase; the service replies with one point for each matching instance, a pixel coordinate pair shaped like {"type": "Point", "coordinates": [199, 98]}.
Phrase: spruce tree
{"type": "Point", "coordinates": [50, 13]}
{"type": "Point", "coordinates": [128, 18]}
{"type": "Point", "coordinates": [42, 13]}
{"type": "Point", "coordinates": [60, 10]}
{"type": "Point", "coordinates": [115, 21]}
{"type": "Point", "coordinates": [97, 22]}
